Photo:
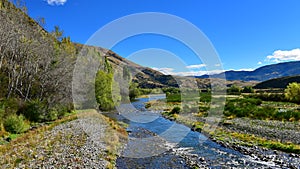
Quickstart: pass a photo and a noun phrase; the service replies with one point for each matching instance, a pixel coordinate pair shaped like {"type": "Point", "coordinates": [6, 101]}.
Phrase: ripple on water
{"type": "Point", "coordinates": [161, 143]}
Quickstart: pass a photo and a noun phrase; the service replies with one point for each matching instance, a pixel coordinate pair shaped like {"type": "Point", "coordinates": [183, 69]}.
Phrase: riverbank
{"type": "Point", "coordinates": [86, 140]}
{"type": "Point", "coordinates": [257, 139]}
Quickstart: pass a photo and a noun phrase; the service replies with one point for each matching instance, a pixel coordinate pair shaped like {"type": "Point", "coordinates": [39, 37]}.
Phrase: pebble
{"type": "Point", "coordinates": [75, 144]}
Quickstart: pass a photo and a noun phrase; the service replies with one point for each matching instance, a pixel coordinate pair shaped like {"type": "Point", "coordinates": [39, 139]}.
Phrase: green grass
{"type": "Point", "coordinates": [252, 140]}
{"type": "Point", "coordinates": [14, 136]}
{"type": "Point", "coordinates": [189, 96]}
{"type": "Point", "coordinates": [256, 109]}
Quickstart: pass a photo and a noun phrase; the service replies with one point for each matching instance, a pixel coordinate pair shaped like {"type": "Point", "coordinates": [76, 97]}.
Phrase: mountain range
{"type": "Point", "coordinates": [263, 73]}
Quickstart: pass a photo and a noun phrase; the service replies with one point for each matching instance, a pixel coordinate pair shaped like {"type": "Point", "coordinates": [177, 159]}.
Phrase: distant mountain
{"type": "Point", "coordinates": [263, 73]}
{"type": "Point", "coordinates": [278, 82]}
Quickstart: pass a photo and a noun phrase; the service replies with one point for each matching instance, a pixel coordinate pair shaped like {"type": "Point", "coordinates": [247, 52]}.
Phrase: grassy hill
{"type": "Point", "coordinates": [277, 82]}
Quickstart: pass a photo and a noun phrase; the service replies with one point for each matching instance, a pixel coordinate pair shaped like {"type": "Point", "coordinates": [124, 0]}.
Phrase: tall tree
{"type": "Point", "coordinates": [292, 92]}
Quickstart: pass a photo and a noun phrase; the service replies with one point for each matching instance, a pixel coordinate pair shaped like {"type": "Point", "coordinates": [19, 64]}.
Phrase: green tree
{"type": "Point", "coordinates": [292, 92]}
{"type": "Point", "coordinates": [57, 33]}
{"type": "Point", "coordinates": [133, 91]}
{"type": "Point", "coordinates": [103, 90]}
{"type": "Point", "coordinates": [247, 89]}
{"type": "Point", "coordinates": [234, 90]}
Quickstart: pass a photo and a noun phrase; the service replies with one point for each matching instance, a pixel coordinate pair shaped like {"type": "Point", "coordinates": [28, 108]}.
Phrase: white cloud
{"type": "Point", "coordinates": [245, 69]}
{"type": "Point", "coordinates": [196, 66]}
{"type": "Point", "coordinates": [165, 70]}
{"type": "Point", "coordinates": [284, 55]}
{"type": "Point", "coordinates": [170, 71]}
{"type": "Point", "coordinates": [56, 2]}
{"type": "Point", "coordinates": [259, 63]}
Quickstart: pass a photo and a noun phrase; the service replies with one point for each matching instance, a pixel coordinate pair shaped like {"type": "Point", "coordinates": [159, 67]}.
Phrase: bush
{"type": "Point", "coordinates": [11, 106]}
{"type": "Point", "coordinates": [205, 97]}
{"type": "Point", "coordinates": [234, 90]}
{"type": "Point", "coordinates": [242, 107]}
{"type": "Point", "coordinates": [264, 112]}
{"type": "Point", "coordinates": [15, 124]}
{"type": "Point", "coordinates": [61, 110]}
{"type": "Point", "coordinates": [2, 113]}
{"type": "Point", "coordinates": [173, 97]}
{"type": "Point", "coordinates": [34, 111]}
{"type": "Point", "coordinates": [175, 110]}
{"type": "Point", "coordinates": [134, 92]}
{"type": "Point", "coordinates": [277, 97]}
{"type": "Point", "coordinates": [287, 115]}
{"type": "Point", "coordinates": [52, 115]}
{"type": "Point", "coordinates": [247, 89]}
{"type": "Point", "coordinates": [203, 108]}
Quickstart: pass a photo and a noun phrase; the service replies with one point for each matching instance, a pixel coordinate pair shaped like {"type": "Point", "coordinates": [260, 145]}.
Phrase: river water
{"type": "Point", "coordinates": [156, 142]}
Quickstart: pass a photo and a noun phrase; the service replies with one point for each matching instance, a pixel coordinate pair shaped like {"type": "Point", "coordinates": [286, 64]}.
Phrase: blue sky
{"type": "Point", "coordinates": [246, 33]}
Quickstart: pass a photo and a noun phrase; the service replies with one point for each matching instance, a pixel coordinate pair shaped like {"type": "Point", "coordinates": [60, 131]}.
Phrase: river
{"type": "Point", "coordinates": [156, 142]}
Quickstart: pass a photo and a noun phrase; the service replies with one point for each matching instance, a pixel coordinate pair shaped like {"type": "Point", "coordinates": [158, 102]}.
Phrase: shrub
{"type": "Point", "coordinates": [61, 110]}
{"type": "Point", "coordinates": [264, 112]}
{"type": "Point", "coordinates": [175, 110]}
{"type": "Point", "coordinates": [11, 106]}
{"type": "Point", "coordinates": [247, 89]}
{"type": "Point", "coordinates": [242, 107]}
{"type": "Point", "coordinates": [287, 115]}
{"type": "Point", "coordinates": [15, 124]}
{"type": "Point", "coordinates": [235, 90]}
{"type": "Point", "coordinates": [173, 97]}
{"type": "Point", "coordinates": [34, 111]}
{"type": "Point", "coordinates": [205, 97]}
{"type": "Point", "coordinates": [52, 115]}
{"type": "Point", "coordinates": [2, 113]}
{"type": "Point", "coordinates": [269, 97]}
{"type": "Point", "coordinates": [134, 92]}
{"type": "Point", "coordinates": [203, 108]}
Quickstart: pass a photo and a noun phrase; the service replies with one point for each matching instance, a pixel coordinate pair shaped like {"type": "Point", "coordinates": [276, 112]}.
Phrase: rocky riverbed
{"type": "Point", "coordinates": [91, 142]}
{"type": "Point", "coordinates": [286, 132]}
{"type": "Point", "coordinates": [81, 143]}
{"type": "Point", "coordinates": [272, 130]}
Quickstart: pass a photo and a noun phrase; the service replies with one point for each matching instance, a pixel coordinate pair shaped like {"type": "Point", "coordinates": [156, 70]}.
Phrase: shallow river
{"type": "Point", "coordinates": [156, 142]}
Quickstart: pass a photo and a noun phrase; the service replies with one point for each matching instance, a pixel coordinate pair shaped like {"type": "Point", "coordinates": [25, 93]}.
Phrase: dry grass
{"type": "Point", "coordinates": [17, 150]}
{"type": "Point", "coordinates": [115, 136]}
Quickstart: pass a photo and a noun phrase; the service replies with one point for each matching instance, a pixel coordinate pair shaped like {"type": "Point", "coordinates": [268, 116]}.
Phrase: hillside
{"type": "Point", "coordinates": [150, 78]}
{"type": "Point", "coordinates": [277, 82]}
{"type": "Point", "coordinates": [18, 21]}
{"type": "Point", "coordinates": [263, 73]}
